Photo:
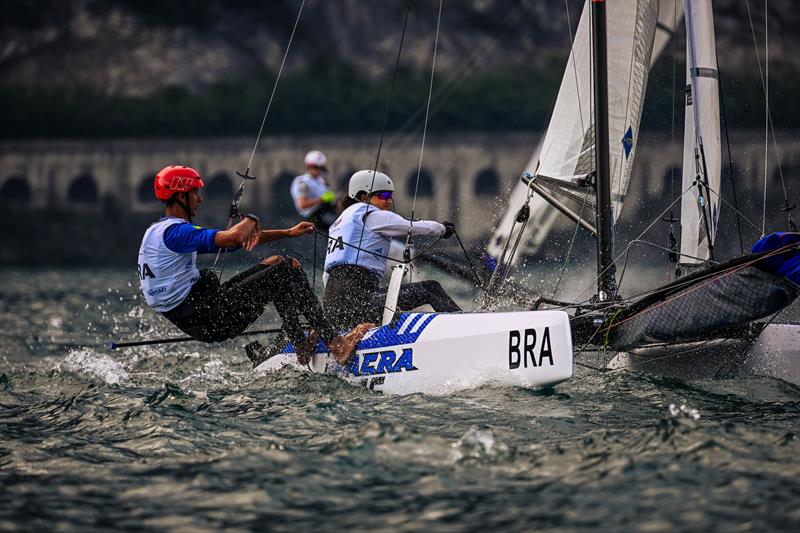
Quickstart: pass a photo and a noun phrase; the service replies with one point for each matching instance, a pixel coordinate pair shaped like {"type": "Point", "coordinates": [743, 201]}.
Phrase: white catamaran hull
{"type": "Point", "coordinates": [438, 353]}
{"type": "Point", "coordinates": [775, 352]}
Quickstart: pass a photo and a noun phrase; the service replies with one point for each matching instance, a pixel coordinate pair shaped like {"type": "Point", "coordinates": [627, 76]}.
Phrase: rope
{"type": "Point", "coordinates": [730, 162]}
{"type": "Point", "coordinates": [764, 87]}
{"type": "Point", "coordinates": [503, 264]}
{"type": "Point", "coordinates": [711, 279]}
{"type": "Point", "coordinates": [653, 223]}
{"type": "Point", "coordinates": [443, 91]}
{"type": "Point", "coordinates": [386, 115]}
{"type": "Point", "coordinates": [246, 176]}
{"type": "Point", "coordinates": [466, 256]}
{"type": "Point", "coordinates": [376, 254]}
{"type": "Point", "coordinates": [571, 243]}
{"type": "Point", "coordinates": [766, 119]}
{"type": "Point", "coordinates": [427, 115]}
{"type": "Point", "coordinates": [425, 125]}
{"type": "Point", "coordinates": [275, 87]}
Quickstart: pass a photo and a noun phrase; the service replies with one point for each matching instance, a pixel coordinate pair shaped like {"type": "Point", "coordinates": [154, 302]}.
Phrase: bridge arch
{"type": "Point", "coordinates": [145, 192]}
{"type": "Point", "coordinates": [83, 189]}
{"type": "Point", "coordinates": [341, 183]}
{"type": "Point", "coordinates": [487, 182]}
{"type": "Point", "coordinates": [281, 203]}
{"type": "Point", "coordinates": [16, 190]}
{"type": "Point", "coordinates": [219, 187]}
{"type": "Point", "coordinates": [425, 188]}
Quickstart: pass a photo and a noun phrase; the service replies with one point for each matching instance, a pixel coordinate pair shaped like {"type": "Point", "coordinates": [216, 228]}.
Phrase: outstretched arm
{"type": "Point", "coordinates": [268, 235]}
{"type": "Point", "coordinates": [247, 234]}
{"type": "Point", "coordinates": [393, 225]}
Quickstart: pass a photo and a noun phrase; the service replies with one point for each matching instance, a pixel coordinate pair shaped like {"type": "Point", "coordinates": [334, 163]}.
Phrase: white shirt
{"type": "Point", "coordinates": [373, 238]}
{"type": "Point", "coordinates": [307, 186]}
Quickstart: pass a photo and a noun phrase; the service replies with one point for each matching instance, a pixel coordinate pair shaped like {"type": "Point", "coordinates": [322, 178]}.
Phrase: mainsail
{"type": "Point", "coordinates": [701, 141]}
{"type": "Point", "coordinates": [542, 214]}
{"type": "Point", "coordinates": [568, 150]}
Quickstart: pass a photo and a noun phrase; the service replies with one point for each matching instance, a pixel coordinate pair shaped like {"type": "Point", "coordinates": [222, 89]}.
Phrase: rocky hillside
{"type": "Point", "coordinates": [176, 67]}
{"type": "Point", "coordinates": [136, 47]}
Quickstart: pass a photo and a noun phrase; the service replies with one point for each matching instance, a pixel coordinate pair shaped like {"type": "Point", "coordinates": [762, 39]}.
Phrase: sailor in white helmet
{"type": "Point", "coordinates": [312, 196]}
{"type": "Point", "coordinates": [358, 242]}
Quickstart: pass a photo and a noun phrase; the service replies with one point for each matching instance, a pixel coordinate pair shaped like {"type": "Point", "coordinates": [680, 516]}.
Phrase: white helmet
{"type": "Point", "coordinates": [315, 158]}
{"type": "Point", "coordinates": [369, 181]}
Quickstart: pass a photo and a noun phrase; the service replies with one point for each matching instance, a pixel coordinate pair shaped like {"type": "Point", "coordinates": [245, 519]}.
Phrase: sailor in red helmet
{"type": "Point", "coordinates": [211, 311]}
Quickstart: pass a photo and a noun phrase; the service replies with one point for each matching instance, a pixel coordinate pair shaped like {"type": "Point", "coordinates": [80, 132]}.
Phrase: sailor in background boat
{"type": "Point", "coordinates": [312, 196]}
{"type": "Point", "coordinates": [358, 242]}
{"type": "Point", "coordinates": [211, 311]}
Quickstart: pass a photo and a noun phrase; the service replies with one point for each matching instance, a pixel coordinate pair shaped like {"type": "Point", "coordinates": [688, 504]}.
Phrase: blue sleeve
{"type": "Point", "coordinates": [185, 238]}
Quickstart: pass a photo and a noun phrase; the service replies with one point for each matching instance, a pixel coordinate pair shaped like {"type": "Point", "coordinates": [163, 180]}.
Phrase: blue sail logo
{"type": "Point", "coordinates": [627, 142]}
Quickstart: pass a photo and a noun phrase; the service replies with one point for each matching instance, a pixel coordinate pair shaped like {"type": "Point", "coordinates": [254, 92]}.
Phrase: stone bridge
{"type": "Point", "coordinates": [463, 177]}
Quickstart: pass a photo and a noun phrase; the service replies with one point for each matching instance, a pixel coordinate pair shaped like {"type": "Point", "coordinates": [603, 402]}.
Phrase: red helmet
{"type": "Point", "coordinates": [174, 179]}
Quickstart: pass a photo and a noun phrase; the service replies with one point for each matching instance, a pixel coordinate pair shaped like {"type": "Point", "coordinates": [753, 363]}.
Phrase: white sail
{"type": "Point", "coordinates": [568, 150]}
{"type": "Point", "coordinates": [543, 215]}
{"type": "Point", "coordinates": [670, 13]}
{"type": "Point", "coordinates": [542, 218]}
{"type": "Point", "coordinates": [701, 139]}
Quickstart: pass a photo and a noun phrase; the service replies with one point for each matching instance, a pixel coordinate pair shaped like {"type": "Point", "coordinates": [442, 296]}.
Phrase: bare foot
{"type": "Point", "coordinates": [307, 349]}
{"type": "Point", "coordinates": [343, 347]}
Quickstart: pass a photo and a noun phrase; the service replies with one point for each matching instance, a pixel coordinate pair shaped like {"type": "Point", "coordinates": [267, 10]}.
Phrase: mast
{"type": "Point", "coordinates": [701, 138]}
{"type": "Point", "coordinates": [604, 214]}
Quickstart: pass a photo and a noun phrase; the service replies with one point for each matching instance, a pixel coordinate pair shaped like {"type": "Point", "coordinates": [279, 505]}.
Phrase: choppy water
{"type": "Point", "coordinates": [186, 437]}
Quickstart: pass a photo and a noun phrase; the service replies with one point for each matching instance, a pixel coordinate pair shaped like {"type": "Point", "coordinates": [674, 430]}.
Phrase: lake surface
{"type": "Point", "coordinates": [187, 437]}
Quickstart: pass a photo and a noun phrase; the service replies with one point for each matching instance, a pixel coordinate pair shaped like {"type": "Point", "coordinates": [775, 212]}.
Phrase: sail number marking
{"type": "Point", "coordinates": [522, 347]}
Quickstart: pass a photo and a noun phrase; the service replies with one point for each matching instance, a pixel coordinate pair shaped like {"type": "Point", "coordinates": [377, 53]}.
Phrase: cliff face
{"type": "Point", "coordinates": [137, 47]}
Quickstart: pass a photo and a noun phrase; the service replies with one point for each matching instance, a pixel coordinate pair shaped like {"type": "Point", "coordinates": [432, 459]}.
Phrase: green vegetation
{"type": "Point", "coordinates": [322, 98]}
{"type": "Point", "coordinates": [335, 98]}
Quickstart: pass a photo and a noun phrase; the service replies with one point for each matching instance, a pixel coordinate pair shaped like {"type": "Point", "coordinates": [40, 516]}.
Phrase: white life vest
{"type": "Point", "coordinates": [165, 277]}
{"type": "Point", "coordinates": [349, 228]}
{"type": "Point", "coordinates": [309, 187]}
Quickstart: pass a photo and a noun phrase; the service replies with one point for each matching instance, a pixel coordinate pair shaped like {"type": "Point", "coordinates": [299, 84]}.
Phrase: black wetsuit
{"type": "Point", "coordinates": [353, 295]}
{"type": "Point", "coordinates": [215, 311]}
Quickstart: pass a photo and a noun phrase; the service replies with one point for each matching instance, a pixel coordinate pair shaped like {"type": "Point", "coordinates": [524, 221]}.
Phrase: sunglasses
{"type": "Point", "coordinates": [383, 195]}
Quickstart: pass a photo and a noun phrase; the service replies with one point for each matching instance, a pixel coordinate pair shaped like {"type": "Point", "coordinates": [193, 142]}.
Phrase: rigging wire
{"type": "Point", "coordinates": [246, 176]}
{"type": "Point", "coordinates": [574, 65]}
{"type": "Point", "coordinates": [766, 117]}
{"type": "Point", "coordinates": [443, 91]}
{"type": "Point", "coordinates": [385, 118]}
{"type": "Point", "coordinates": [653, 223]}
{"type": "Point", "coordinates": [730, 160]}
{"type": "Point", "coordinates": [708, 280]}
{"type": "Point", "coordinates": [788, 207]}
{"type": "Point", "coordinates": [425, 125]}
{"type": "Point", "coordinates": [275, 87]}
{"type": "Point", "coordinates": [736, 209]}
{"type": "Point", "coordinates": [571, 243]}
{"type": "Point", "coordinates": [523, 216]}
